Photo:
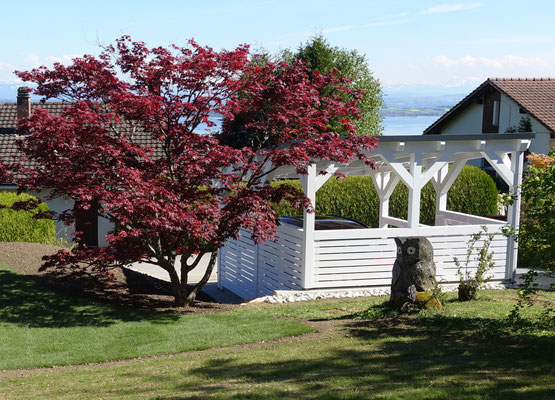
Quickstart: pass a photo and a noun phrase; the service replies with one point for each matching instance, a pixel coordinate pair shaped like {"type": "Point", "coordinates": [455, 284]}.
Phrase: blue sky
{"type": "Point", "coordinates": [427, 47]}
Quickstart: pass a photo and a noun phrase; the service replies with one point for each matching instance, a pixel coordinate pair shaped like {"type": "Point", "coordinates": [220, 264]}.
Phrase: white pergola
{"type": "Point", "coordinates": [305, 259]}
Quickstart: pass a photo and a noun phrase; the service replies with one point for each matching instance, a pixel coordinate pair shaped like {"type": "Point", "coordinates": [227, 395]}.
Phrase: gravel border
{"type": "Point", "coordinates": [306, 295]}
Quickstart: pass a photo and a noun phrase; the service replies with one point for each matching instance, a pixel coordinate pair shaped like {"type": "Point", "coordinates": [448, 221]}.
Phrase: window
{"type": "Point", "coordinates": [495, 115]}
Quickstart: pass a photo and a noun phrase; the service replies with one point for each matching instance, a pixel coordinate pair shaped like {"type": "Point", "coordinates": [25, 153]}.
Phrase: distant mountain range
{"type": "Point", "coordinates": [400, 100]}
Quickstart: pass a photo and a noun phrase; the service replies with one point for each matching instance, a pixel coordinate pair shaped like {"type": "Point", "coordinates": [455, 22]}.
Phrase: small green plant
{"type": "Point", "coordinates": [439, 294]}
{"type": "Point", "coordinates": [471, 282]}
{"type": "Point", "coordinates": [528, 295]}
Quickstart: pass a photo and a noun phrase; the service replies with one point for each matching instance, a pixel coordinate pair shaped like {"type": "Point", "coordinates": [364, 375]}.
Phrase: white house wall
{"type": "Point", "coordinates": [510, 116]}
{"type": "Point", "coordinates": [468, 120]}
{"type": "Point", "coordinates": [58, 205]}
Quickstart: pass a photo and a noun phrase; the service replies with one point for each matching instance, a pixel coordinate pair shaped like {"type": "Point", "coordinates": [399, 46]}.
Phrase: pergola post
{"type": "Point", "coordinates": [442, 182]}
{"type": "Point", "coordinates": [510, 169]}
{"type": "Point", "coordinates": [513, 213]}
{"type": "Point", "coordinates": [385, 183]}
{"type": "Point", "coordinates": [415, 189]}
{"type": "Point", "coordinates": [308, 182]}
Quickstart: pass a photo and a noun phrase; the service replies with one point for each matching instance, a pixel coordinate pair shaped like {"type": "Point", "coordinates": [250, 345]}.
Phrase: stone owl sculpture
{"type": "Point", "coordinates": [414, 270]}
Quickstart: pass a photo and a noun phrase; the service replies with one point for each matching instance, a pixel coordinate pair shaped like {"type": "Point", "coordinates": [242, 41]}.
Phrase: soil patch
{"type": "Point", "coordinates": [123, 287]}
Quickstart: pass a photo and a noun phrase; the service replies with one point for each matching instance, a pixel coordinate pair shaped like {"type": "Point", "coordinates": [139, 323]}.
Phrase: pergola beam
{"type": "Point", "coordinates": [326, 174]}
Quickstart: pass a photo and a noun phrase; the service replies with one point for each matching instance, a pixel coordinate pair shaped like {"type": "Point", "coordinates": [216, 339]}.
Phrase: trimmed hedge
{"type": "Point", "coordinates": [473, 192]}
{"type": "Point", "coordinates": [19, 226]}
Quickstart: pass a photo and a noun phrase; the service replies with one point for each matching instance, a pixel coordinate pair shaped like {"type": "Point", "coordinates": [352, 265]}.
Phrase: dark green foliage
{"type": "Point", "coordinates": [535, 240]}
{"type": "Point", "coordinates": [19, 226]}
{"type": "Point", "coordinates": [537, 228]}
{"type": "Point", "coordinates": [321, 56]}
{"type": "Point", "coordinates": [473, 192]}
{"type": "Point", "coordinates": [355, 197]}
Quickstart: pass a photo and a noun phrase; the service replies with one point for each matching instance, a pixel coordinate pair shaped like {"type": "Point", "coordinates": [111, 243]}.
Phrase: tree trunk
{"type": "Point", "coordinates": [178, 289]}
{"type": "Point", "coordinates": [193, 294]}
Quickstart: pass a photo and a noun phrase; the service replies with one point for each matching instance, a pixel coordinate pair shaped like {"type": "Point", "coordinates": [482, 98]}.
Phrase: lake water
{"type": "Point", "coordinates": [407, 125]}
{"type": "Point", "coordinates": [392, 125]}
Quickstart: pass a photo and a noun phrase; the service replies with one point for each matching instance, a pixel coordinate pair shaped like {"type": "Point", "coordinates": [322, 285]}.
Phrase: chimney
{"type": "Point", "coordinates": [23, 103]}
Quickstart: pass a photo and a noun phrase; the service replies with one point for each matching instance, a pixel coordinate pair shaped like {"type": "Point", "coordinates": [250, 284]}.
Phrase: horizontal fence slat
{"type": "Point", "coordinates": [321, 244]}
{"type": "Point", "coordinates": [428, 231]}
{"type": "Point", "coordinates": [349, 263]}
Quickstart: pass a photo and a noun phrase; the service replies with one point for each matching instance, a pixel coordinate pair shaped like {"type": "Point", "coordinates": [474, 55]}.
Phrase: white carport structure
{"type": "Point", "coordinates": [306, 259]}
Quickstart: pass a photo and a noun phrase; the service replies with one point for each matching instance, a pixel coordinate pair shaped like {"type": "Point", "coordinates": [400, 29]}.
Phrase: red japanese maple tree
{"type": "Point", "coordinates": [135, 144]}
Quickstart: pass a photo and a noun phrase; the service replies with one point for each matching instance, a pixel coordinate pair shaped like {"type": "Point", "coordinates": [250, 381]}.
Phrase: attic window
{"type": "Point", "coordinates": [495, 116]}
{"type": "Point", "coordinates": [522, 111]}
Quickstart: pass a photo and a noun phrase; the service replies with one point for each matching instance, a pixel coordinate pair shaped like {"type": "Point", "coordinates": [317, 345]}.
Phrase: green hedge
{"type": "Point", "coordinates": [473, 192]}
{"type": "Point", "coordinates": [19, 226]}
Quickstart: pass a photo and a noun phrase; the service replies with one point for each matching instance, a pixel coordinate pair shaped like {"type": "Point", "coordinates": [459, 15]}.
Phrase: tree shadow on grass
{"type": "Point", "coordinates": [25, 302]}
{"type": "Point", "coordinates": [403, 358]}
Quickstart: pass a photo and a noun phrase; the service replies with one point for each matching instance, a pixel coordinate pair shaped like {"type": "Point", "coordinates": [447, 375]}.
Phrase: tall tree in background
{"type": "Point", "coordinates": [320, 56]}
{"type": "Point", "coordinates": [130, 145]}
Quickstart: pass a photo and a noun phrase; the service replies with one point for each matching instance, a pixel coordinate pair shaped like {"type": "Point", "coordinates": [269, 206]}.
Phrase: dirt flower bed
{"type": "Point", "coordinates": [146, 292]}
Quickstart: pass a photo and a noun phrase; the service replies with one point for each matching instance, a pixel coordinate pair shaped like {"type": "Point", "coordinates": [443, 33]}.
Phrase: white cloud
{"type": "Point", "coordinates": [466, 71]}
{"type": "Point", "coordinates": [32, 60]}
{"type": "Point", "coordinates": [491, 62]}
{"type": "Point", "coordinates": [63, 59]}
{"type": "Point", "coordinates": [6, 72]}
{"type": "Point", "coordinates": [444, 8]}
{"type": "Point", "coordinates": [393, 16]}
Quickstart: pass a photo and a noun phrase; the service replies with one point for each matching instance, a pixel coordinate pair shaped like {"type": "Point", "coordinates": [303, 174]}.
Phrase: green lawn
{"type": "Point", "coordinates": [41, 328]}
{"type": "Point", "coordinates": [465, 353]}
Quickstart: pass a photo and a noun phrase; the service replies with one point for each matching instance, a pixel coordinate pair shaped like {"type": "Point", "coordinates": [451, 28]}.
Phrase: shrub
{"type": "Point", "coordinates": [473, 192]}
{"type": "Point", "coordinates": [537, 228]}
{"type": "Point", "coordinates": [19, 226]}
{"type": "Point", "coordinates": [535, 241]}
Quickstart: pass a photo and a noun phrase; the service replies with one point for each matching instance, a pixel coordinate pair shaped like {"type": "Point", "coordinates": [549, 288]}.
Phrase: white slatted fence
{"type": "Point", "coordinates": [350, 258]}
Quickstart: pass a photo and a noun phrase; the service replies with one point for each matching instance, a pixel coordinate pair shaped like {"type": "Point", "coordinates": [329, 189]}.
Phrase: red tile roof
{"type": "Point", "coordinates": [535, 95]}
{"type": "Point", "coordinates": [8, 124]}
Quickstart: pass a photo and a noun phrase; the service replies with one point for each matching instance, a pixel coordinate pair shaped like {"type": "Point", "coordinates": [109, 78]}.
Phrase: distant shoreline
{"type": "Point", "coordinates": [413, 112]}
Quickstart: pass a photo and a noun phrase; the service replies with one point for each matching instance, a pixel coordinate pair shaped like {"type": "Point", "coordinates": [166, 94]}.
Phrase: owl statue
{"type": "Point", "coordinates": [414, 270]}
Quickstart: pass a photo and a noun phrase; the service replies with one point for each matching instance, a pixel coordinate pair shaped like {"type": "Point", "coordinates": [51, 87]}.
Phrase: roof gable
{"type": "Point", "coordinates": [536, 96]}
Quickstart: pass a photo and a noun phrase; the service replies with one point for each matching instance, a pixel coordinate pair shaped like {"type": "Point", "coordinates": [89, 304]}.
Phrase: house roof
{"type": "Point", "coordinates": [9, 151]}
{"type": "Point", "coordinates": [8, 112]}
{"type": "Point", "coordinates": [536, 96]}
{"type": "Point", "coordinates": [8, 146]}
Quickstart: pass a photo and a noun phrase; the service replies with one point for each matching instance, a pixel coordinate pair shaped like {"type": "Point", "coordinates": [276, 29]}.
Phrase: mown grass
{"type": "Point", "coordinates": [42, 328]}
{"type": "Point", "coordinates": [467, 352]}
{"type": "Point", "coordinates": [464, 353]}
